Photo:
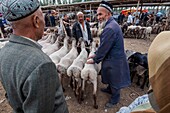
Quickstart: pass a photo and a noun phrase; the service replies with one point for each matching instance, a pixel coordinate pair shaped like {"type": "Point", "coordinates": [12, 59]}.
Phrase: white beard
{"type": "Point", "coordinates": [102, 24]}
{"type": "Point", "coordinates": [101, 27]}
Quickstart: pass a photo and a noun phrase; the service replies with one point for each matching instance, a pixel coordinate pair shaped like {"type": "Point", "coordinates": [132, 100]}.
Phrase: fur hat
{"type": "Point", "coordinates": [17, 9]}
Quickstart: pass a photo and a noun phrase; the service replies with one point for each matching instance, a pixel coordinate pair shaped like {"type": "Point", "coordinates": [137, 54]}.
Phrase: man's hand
{"type": "Point", "coordinates": [91, 56]}
{"type": "Point", "coordinates": [90, 61]}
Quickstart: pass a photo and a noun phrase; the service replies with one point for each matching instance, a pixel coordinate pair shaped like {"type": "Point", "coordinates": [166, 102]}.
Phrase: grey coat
{"type": "Point", "coordinates": [30, 78]}
{"type": "Point", "coordinates": [115, 70]}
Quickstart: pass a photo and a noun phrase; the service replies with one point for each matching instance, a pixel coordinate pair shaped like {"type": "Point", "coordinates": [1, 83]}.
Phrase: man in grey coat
{"type": "Point", "coordinates": [115, 70]}
{"type": "Point", "coordinates": [28, 75]}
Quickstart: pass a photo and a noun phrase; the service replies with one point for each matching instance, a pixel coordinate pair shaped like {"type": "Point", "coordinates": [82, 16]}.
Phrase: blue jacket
{"type": "Point", "coordinates": [115, 70]}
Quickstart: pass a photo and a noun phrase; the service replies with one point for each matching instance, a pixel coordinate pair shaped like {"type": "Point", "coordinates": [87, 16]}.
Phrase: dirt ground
{"type": "Point", "coordinates": [127, 94]}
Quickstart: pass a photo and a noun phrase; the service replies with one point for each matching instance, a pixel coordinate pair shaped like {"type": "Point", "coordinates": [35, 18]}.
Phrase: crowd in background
{"type": "Point", "coordinates": [145, 18]}
{"type": "Point", "coordinates": [52, 17]}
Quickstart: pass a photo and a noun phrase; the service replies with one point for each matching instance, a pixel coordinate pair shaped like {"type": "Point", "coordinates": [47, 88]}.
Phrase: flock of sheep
{"type": "Point", "coordinates": [63, 52]}
{"type": "Point", "coordinates": [69, 63]}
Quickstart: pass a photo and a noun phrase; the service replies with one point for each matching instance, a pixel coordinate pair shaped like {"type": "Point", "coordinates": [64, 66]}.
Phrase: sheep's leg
{"type": "Point", "coordinates": [133, 73]}
{"type": "Point", "coordinates": [138, 81]}
{"type": "Point", "coordinates": [62, 81]}
{"type": "Point", "coordinates": [94, 93]}
{"type": "Point", "coordinates": [73, 83]}
{"type": "Point", "coordinates": [145, 79]}
{"type": "Point", "coordinates": [82, 90]}
{"type": "Point", "coordinates": [79, 90]}
{"type": "Point", "coordinates": [147, 84]}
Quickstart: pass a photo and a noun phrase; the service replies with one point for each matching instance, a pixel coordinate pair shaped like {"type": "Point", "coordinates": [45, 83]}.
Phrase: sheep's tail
{"type": "Point", "coordinates": [61, 69]}
{"type": "Point", "coordinates": [85, 74]}
{"type": "Point", "coordinates": [76, 72]}
{"type": "Point", "coordinates": [70, 71]}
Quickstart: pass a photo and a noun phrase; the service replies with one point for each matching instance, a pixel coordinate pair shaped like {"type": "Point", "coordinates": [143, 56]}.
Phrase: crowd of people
{"type": "Point", "coordinates": [144, 19]}
{"type": "Point", "coordinates": [29, 76]}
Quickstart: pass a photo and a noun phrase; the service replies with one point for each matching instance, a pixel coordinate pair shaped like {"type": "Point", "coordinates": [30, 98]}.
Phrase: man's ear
{"type": "Point", "coordinates": [36, 21]}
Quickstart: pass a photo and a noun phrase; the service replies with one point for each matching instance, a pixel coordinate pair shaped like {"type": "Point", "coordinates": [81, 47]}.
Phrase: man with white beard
{"type": "Point", "coordinates": [115, 70]}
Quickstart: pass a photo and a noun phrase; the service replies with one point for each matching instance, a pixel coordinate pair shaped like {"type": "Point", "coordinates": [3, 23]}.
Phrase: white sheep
{"type": "Point", "coordinates": [74, 70]}
{"type": "Point", "coordinates": [52, 48]}
{"type": "Point", "coordinates": [147, 32]}
{"type": "Point", "coordinates": [52, 41]}
{"type": "Point", "coordinates": [90, 72]}
{"type": "Point", "coordinates": [47, 39]}
{"type": "Point", "coordinates": [66, 61]}
{"type": "Point", "coordinates": [56, 56]}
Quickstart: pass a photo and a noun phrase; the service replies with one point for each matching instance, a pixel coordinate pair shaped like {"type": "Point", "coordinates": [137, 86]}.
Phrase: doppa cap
{"type": "Point", "coordinates": [106, 5]}
{"type": "Point", "coordinates": [17, 9]}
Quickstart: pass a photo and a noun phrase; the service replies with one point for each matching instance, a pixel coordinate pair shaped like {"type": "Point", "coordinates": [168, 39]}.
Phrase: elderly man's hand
{"type": "Point", "coordinates": [90, 61]}
{"type": "Point", "coordinates": [91, 56]}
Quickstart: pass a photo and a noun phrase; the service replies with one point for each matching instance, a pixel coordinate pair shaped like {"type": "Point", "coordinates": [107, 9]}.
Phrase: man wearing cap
{"type": "Point", "coordinates": [82, 29]}
{"type": "Point", "coordinates": [115, 70]}
{"type": "Point", "coordinates": [28, 75]}
{"type": "Point", "coordinates": [159, 71]}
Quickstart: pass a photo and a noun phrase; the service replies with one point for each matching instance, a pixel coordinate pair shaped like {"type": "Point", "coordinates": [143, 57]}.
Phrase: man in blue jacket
{"type": "Point", "coordinates": [115, 70]}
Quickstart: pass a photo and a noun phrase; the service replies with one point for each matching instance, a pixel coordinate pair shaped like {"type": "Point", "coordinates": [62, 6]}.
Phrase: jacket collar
{"type": "Point", "coordinates": [24, 41]}
{"type": "Point", "coordinates": [110, 19]}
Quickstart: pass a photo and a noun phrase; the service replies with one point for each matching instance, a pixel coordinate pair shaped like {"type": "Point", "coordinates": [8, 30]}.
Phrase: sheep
{"type": "Point", "coordinates": [147, 32]}
{"type": "Point", "coordinates": [138, 65]}
{"type": "Point", "coordinates": [54, 47]}
{"type": "Point", "coordinates": [129, 53]}
{"type": "Point", "coordinates": [56, 56]}
{"type": "Point", "coordinates": [66, 61]}
{"type": "Point", "coordinates": [74, 70]}
{"type": "Point", "coordinates": [90, 72]}
{"type": "Point", "coordinates": [52, 41]}
{"type": "Point", "coordinates": [47, 39]}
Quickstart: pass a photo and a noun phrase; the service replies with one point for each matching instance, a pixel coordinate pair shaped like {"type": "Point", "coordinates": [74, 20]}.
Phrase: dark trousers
{"type": "Point", "coordinates": [115, 97]}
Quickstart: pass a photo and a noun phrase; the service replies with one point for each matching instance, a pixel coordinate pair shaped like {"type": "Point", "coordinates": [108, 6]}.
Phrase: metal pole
{"type": "Point", "coordinates": [137, 10]}
{"type": "Point", "coordinates": [90, 12]}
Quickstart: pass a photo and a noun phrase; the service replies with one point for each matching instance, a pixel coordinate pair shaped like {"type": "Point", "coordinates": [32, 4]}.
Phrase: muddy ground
{"type": "Point", "coordinates": [127, 94]}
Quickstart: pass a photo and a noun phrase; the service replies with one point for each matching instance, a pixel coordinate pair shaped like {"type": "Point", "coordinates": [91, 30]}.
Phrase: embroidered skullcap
{"type": "Point", "coordinates": [106, 5]}
{"type": "Point", "coordinates": [79, 13]}
{"type": "Point", "coordinates": [17, 9]}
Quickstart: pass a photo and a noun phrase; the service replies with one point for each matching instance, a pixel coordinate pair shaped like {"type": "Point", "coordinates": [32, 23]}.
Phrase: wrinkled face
{"type": "Point", "coordinates": [80, 18]}
{"type": "Point", "coordinates": [102, 14]}
{"type": "Point", "coordinates": [41, 24]}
